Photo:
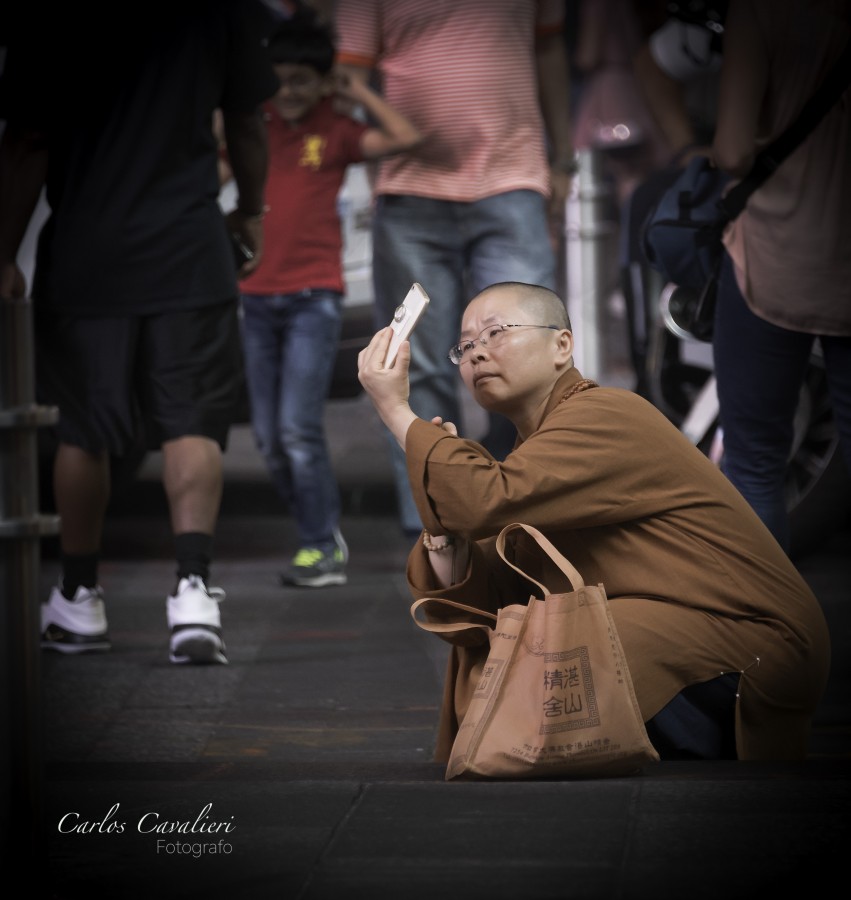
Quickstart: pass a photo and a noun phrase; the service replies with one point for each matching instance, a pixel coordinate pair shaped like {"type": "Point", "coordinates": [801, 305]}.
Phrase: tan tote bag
{"type": "Point", "coordinates": [555, 698]}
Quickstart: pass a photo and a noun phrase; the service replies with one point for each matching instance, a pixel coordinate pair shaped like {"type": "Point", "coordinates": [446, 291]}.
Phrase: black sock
{"type": "Point", "coordinates": [78, 569]}
{"type": "Point", "coordinates": [193, 550]}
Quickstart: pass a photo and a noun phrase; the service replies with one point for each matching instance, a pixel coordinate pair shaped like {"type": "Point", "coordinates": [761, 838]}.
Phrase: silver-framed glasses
{"type": "Point", "coordinates": [492, 336]}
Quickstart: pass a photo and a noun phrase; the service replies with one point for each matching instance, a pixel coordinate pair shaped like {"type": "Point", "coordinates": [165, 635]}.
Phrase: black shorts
{"type": "Point", "coordinates": [165, 376]}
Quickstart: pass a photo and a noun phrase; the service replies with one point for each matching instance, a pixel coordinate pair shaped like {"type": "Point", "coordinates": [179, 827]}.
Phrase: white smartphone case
{"type": "Point", "coordinates": [407, 315]}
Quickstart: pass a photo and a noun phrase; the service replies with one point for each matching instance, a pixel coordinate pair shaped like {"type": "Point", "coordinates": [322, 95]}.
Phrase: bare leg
{"type": "Point", "coordinates": [81, 484]}
{"type": "Point", "coordinates": [192, 478]}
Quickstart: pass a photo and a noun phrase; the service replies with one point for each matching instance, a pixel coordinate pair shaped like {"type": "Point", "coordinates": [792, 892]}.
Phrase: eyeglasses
{"type": "Point", "coordinates": [492, 336]}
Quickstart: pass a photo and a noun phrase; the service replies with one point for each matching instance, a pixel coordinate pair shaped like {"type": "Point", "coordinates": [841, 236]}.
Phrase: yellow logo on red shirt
{"type": "Point", "coordinates": [311, 151]}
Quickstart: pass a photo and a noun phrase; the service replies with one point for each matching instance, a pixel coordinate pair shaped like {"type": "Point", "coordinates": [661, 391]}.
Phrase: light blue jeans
{"type": "Point", "coordinates": [454, 250]}
{"type": "Point", "coordinates": [290, 343]}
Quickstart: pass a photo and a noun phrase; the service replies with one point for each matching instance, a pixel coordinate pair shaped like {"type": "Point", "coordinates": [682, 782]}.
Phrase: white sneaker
{"type": "Point", "coordinates": [75, 626]}
{"type": "Point", "coordinates": [195, 623]}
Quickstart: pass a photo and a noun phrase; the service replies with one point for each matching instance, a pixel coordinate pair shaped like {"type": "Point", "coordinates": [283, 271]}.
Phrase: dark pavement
{"type": "Point", "coordinates": [306, 765]}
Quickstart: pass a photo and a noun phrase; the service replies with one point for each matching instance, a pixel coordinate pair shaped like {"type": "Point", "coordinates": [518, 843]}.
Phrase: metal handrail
{"type": "Point", "coordinates": [22, 526]}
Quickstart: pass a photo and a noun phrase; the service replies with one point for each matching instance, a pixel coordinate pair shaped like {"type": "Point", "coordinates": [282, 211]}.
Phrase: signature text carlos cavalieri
{"type": "Point", "coordinates": [147, 823]}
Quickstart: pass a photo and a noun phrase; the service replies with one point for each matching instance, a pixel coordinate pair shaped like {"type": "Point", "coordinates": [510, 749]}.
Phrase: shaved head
{"type": "Point", "coordinates": [546, 305]}
{"type": "Point", "coordinates": [516, 342]}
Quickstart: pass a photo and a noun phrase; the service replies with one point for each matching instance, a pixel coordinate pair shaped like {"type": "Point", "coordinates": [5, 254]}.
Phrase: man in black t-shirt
{"type": "Point", "coordinates": [135, 286]}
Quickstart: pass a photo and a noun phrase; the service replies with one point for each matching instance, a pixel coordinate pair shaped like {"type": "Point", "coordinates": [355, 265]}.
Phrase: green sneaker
{"type": "Point", "coordinates": [315, 568]}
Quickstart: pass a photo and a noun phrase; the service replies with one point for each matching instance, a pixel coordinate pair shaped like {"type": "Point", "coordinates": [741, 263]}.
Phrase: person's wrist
{"type": "Point", "coordinates": [250, 215]}
{"type": "Point", "coordinates": [569, 166]}
{"type": "Point", "coordinates": [441, 543]}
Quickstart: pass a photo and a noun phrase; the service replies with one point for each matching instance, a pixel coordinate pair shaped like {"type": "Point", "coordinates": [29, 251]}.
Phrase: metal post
{"type": "Point", "coordinates": [21, 527]}
{"type": "Point", "coordinates": [589, 231]}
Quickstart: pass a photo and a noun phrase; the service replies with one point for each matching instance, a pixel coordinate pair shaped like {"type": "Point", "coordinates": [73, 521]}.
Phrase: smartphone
{"type": "Point", "coordinates": [241, 253]}
{"type": "Point", "coordinates": [404, 319]}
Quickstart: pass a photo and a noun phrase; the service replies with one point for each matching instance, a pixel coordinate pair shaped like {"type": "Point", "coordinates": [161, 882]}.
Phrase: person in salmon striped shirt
{"type": "Point", "coordinates": [481, 200]}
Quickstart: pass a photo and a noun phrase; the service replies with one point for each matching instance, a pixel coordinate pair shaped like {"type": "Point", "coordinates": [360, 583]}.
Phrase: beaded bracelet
{"type": "Point", "coordinates": [438, 548]}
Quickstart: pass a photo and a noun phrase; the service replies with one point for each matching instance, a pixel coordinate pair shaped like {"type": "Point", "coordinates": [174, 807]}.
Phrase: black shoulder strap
{"type": "Point", "coordinates": [769, 158]}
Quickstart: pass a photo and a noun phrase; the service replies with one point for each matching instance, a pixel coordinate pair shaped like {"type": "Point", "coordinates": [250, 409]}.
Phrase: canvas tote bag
{"type": "Point", "coordinates": [555, 697]}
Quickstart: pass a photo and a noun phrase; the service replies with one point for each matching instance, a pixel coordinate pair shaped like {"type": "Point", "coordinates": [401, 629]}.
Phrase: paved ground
{"type": "Point", "coordinates": [312, 749]}
{"type": "Point", "coordinates": [304, 767]}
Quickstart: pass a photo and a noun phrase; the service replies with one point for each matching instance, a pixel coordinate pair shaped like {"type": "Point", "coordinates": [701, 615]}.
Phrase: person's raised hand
{"type": "Point", "coordinates": [388, 388]}
{"type": "Point", "coordinates": [348, 91]}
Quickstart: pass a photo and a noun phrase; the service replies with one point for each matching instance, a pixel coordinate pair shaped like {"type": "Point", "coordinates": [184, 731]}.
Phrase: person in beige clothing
{"type": "Point", "coordinates": [727, 646]}
{"type": "Point", "coordinates": [786, 275]}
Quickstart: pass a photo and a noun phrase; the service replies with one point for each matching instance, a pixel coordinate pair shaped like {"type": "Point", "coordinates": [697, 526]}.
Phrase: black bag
{"type": "Point", "coordinates": [681, 236]}
{"type": "Point", "coordinates": [682, 239]}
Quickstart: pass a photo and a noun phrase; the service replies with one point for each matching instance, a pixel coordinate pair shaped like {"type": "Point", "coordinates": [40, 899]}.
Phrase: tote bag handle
{"type": "Point", "coordinates": [454, 627]}
{"type": "Point", "coordinates": [564, 565]}
{"type": "Point", "coordinates": [451, 627]}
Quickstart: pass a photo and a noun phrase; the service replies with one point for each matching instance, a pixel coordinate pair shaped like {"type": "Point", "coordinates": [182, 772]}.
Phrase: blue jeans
{"type": "Point", "coordinates": [760, 369]}
{"type": "Point", "coordinates": [290, 343]}
{"type": "Point", "coordinates": [454, 250]}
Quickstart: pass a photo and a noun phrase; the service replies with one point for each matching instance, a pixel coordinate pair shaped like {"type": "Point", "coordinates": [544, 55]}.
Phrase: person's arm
{"type": "Point", "coordinates": [744, 78]}
{"type": "Point", "coordinates": [359, 75]}
{"type": "Point", "coordinates": [554, 95]}
{"type": "Point", "coordinates": [248, 155]}
{"type": "Point", "coordinates": [449, 558]}
{"type": "Point", "coordinates": [23, 168]}
{"type": "Point", "coordinates": [392, 132]}
{"type": "Point", "coordinates": [665, 98]}
{"type": "Point", "coordinates": [389, 389]}
{"type": "Point", "coordinates": [225, 173]}
{"type": "Point", "coordinates": [675, 55]}
{"type": "Point", "coordinates": [448, 555]}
